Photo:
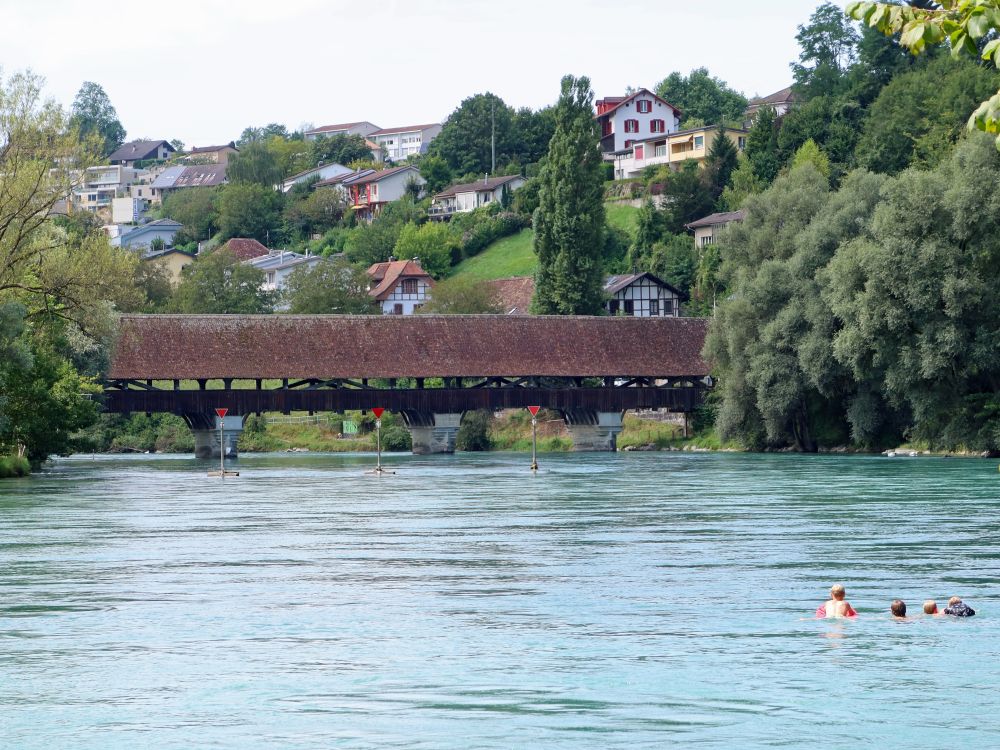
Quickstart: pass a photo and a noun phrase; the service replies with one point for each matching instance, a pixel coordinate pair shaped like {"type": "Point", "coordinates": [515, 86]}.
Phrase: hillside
{"type": "Point", "coordinates": [514, 256]}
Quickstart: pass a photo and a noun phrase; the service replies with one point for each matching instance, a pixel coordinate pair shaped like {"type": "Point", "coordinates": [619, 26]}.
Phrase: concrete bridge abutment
{"type": "Point", "coordinates": [593, 430]}
{"type": "Point", "coordinates": [432, 433]}
{"type": "Point", "coordinates": [208, 443]}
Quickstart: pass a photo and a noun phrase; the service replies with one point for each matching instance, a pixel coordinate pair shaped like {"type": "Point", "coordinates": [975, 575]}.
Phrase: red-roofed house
{"type": "Point", "coordinates": [368, 191]}
{"type": "Point", "coordinates": [625, 119]}
{"type": "Point", "coordinates": [244, 248]}
{"type": "Point", "coordinates": [395, 144]}
{"type": "Point", "coordinates": [399, 287]}
{"type": "Point", "coordinates": [362, 128]}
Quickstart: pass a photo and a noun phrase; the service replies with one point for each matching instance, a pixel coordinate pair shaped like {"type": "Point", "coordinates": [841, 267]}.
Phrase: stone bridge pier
{"type": "Point", "coordinates": [431, 432]}
{"type": "Point", "coordinates": [593, 430]}
{"type": "Point", "coordinates": [205, 428]}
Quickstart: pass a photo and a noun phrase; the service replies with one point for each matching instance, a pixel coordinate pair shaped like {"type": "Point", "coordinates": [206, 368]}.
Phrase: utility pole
{"type": "Point", "coordinates": [493, 136]}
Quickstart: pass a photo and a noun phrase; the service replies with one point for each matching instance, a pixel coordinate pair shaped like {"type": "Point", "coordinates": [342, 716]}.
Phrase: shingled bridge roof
{"type": "Point", "coordinates": [166, 347]}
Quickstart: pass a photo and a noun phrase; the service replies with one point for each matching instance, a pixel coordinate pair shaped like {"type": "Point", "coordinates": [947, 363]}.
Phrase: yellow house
{"type": "Point", "coordinates": [174, 261]}
{"type": "Point", "coordinates": [673, 149]}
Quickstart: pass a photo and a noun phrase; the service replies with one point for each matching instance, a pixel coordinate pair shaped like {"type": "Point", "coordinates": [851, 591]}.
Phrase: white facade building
{"type": "Point", "coordinates": [472, 195]}
{"type": "Point", "coordinates": [323, 172]}
{"type": "Point", "coordinates": [395, 144]}
{"type": "Point", "coordinates": [642, 295]}
{"type": "Point", "coordinates": [362, 128]}
{"type": "Point", "coordinates": [626, 119]}
{"type": "Point", "coordinates": [399, 287]}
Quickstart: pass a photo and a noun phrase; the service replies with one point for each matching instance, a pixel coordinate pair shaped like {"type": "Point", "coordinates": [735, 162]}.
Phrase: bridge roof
{"type": "Point", "coordinates": [166, 347]}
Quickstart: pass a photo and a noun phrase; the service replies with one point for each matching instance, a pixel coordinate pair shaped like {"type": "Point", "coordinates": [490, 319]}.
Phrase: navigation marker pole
{"type": "Point", "coordinates": [379, 470]}
{"type": "Point", "coordinates": [534, 437]}
{"type": "Point", "coordinates": [222, 447]}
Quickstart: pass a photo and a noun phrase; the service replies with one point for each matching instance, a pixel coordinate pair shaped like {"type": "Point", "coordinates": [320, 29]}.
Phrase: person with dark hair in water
{"type": "Point", "coordinates": [898, 609]}
{"type": "Point", "coordinates": [957, 608]}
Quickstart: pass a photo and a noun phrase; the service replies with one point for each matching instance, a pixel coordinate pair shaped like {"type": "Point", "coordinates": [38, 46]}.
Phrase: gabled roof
{"type": "Point", "coordinates": [318, 168]}
{"type": "Point", "coordinates": [406, 129]}
{"type": "Point", "coordinates": [167, 177]}
{"type": "Point", "coordinates": [489, 184]}
{"type": "Point", "coordinates": [365, 178]}
{"type": "Point", "coordinates": [164, 347]}
{"type": "Point", "coordinates": [155, 254]}
{"type": "Point", "coordinates": [342, 178]}
{"type": "Point", "coordinates": [614, 284]}
{"type": "Point", "coordinates": [245, 248]}
{"type": "Point", "coordinates": [778, 97]}
{"type": "Point", "coordinates": [629, 98]}
{"type": "Point", "coordinates": [514, 294]}
{"type": "Point", "coordinates": [277, 260]}
{"type": "Point", "coordinates": [212, 149]}
{"type": "Point", "coordinates": [340, 128]}
{"type": "Point", "coordinates": [714, 220]}
{"type": "Point", "coordinates": [138, 150]}
{"type": "Point", "coordinates": [386, 275]}
{"type": "Point", "coordinates": [203, 175]}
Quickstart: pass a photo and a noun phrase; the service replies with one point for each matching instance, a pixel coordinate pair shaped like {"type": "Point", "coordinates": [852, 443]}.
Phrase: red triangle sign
{"type": "Point", "coordinates": [222, 412]}
{"type": "Point", "coordinates": [377, 411]}
{"type": "Point", "coordinates": [534, 410]}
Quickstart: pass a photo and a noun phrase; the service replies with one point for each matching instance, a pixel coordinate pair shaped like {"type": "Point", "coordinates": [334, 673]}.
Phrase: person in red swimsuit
{"type": "Point", "coordinates": [836, 606]}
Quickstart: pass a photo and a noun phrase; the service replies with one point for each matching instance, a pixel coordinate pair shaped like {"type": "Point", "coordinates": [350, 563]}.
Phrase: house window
{"type": "Point", "coordinates": [639, 151]}
{"type": "Point", "coordinates": [741, 142]}
{"type": "Point", "coordinates": [613, 306]}
{"type": "Point", "coordinates": [660, 150]}
{"type": "Point", "coordinates": [706, 240]}
{"type": "Point", "coordinates": [699, 141]}
{"type": "Point", "coordinates": [654, 307]}
{"type": "Point", "coordinates": [409, 286]}
{"type": "Point", "coordinates": [668, 307]}
{"type": "Point", "coordinates": [657, 126]}
{"type": "Point", "coordinates": [628, 143]}
{"type": "Point", "coordinates": [644, 105]}
{"type": "Point", "coordinates": [629, 306]}
{"type": "Point", "coordinates": [397, 309]}
{"type": "Point", "coordinates": [631, 126]}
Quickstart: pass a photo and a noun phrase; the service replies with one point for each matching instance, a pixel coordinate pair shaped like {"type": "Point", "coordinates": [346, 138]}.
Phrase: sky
{"type": "Point", "coordinates": [203, 70]}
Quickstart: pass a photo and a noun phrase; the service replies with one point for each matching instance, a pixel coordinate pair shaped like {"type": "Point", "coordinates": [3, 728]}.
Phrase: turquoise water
{"type": "Point", "coordinates": [614, 600]}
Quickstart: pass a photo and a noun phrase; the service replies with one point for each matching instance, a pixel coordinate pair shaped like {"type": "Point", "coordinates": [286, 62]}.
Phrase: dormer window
{"type": "Point", "coordinates": [644, 106]}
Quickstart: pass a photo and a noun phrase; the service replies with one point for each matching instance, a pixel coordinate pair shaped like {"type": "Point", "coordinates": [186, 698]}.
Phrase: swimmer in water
{"type": "Point", "coordinates": [898, 609]}
{"type": "Point", "coordinates": [958, 608]}
{"type": "Point", "coordinates": [931, 608]}
{"type": "Point", "coordinates": [836, 606]}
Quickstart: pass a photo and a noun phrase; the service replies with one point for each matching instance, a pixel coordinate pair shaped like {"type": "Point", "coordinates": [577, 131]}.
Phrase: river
{"type": "Point", "coordinates": [632, 600]}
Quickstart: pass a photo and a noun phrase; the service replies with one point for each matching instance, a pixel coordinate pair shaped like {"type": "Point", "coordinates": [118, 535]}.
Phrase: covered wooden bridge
{"type": "Point", "coordinates": [429, 368]}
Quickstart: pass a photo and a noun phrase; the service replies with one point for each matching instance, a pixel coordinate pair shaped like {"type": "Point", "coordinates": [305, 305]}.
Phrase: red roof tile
{"type": "Point", "coordinates": [514, 294]}
{"type": "Point", "coordinates": [245, 248]}
{"type": "Point", "coordinates": [387, 275]}
{"type": "Point", "coordinates": [164, 347]}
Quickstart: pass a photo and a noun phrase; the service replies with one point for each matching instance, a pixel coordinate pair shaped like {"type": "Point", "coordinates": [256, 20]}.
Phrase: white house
{"type": "Point", "coordinates": [642, 295]}
{"type": "Point", "coordinates": [323, 172]}
{"type": "Point", "coordinates": [363, 128]}
{"type": "Point", "coordinates": [707, 228]}
{"type": "Point", "coordinates": [278, 265]}
{"type": "Point", "coordinates": [472, 195]}
{"type": "Point", "coordinates": [399, 287]}
{"type": "Point", "coordinates": [626, 119]}
{"type": "Point", "coordinates": [779, 101]}
{"type": "Point", "coordinates": [101, 185]}
{"type": "Point", "coordinates": [135, 238]}
{"type": "Point", "coordinates": [395, 144]}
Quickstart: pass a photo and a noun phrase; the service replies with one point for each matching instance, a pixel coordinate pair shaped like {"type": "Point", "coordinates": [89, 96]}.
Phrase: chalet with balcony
{"type": "Point", "coordinates": [363, 128]}
{"type": "Point", "coordinates": [625, 120]}
{"type": "Point", "coordinates": [399, 287]}
{"type": "Point", "coordinates": [140, 151]}
{"type": "Point", "coordinates": [395, 144]}
{"type": "Point", "coordinates": [673, 149]}
{"type": "Point", "coordinates": [369, 191]}
{"type": "Point", "coordinates": [642, 295]}
{"type": "Point", "coordinates": [470, 196]}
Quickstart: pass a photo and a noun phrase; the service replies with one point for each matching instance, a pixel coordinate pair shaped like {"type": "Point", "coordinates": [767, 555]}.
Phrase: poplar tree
{"type": "Point", "coordinates": [569, 220]}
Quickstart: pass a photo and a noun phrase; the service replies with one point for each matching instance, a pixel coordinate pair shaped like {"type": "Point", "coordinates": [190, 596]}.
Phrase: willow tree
{"type": "Point", "coordinates": [569, 220]}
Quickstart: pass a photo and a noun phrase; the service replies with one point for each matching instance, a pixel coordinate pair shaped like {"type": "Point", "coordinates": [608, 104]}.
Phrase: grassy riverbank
{"type": "Point", "coordinates": [14, 466]}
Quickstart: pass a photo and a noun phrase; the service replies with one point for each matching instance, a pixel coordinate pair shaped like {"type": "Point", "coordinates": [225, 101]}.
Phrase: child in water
{"type": "Point", "coordinates": [836, 606]}
{"type": "Point", "coordinates": [958, 608]}
{"type": "Point", "coordinates": [898, 609]}
{"type": "Point", "coordinates": [931, 608]}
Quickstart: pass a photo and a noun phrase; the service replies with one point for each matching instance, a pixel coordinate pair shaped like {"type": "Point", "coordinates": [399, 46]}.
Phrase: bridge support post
{"type": "Point", "coordinates": [593, 430]}
{"type": "Point", "coordinates": [432, 433]}
{"type": "Point", "coordinates": [205, 428]}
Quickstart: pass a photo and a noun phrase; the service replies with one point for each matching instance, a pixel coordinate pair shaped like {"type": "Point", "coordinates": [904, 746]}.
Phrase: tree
{"type": "Point", "coordinates": [431, 243]}
{"type": "Point", "coordinates": [720, 163]}
{"type": "Point", "coordinates": [331, 285]}
{"type": "Point", "coordinates": [466, 136]}
{"type": "Point", "coordinates": [531, 132]}
{"type": "Point", "coordinates": [702, 97]}
{"type": "Point", "coordinates": [93, 116]}
{"type": "Point", "coordinates": [742, 184]}
{"type": "Point", "coordinates": [253, 134]}
{"type": "Point", "coordinates": [319, 210]}
{"type": "Point", "coordinates": [762, 146]}
{"type": "Point", "coordinates": [436, 172]}
{"type": "Point", "coordinates": [197, 209]}
{"type": "Point", "coordinates": [569, 220]}
{"type": "Point", "coordinates": [217, 284]}
{"type": "Point", "coordinates": [178, 144]}
{"type": "Point", "coordinates": [462, 296]}
{"type": "Point", "coordinates": [828, 48]}
{"type": "Point", "coordinates": [965, 25]}
{"type": "Point", "coordinates": [688, 196]}
{"type": "Point", "coordinates": [810, 153]}
{"type": "Point", "coordinates": [338, 149]}
{"type": "Point", "coordinates": [250, 210]}
{"type": "Point", "coordinates": [255, 164]}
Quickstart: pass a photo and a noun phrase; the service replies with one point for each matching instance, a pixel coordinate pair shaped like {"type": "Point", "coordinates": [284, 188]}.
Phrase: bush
{"type": "Point", "coordinates": [489, 229]}
{"type": "Point", "coordinates": [624, 189]}
{"type": "Point", "coordinates": [14, 466]}
{"type": "Point", "coordinates": [396, 438]}
{"type": "Point", "coordinates": [474, 432]}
